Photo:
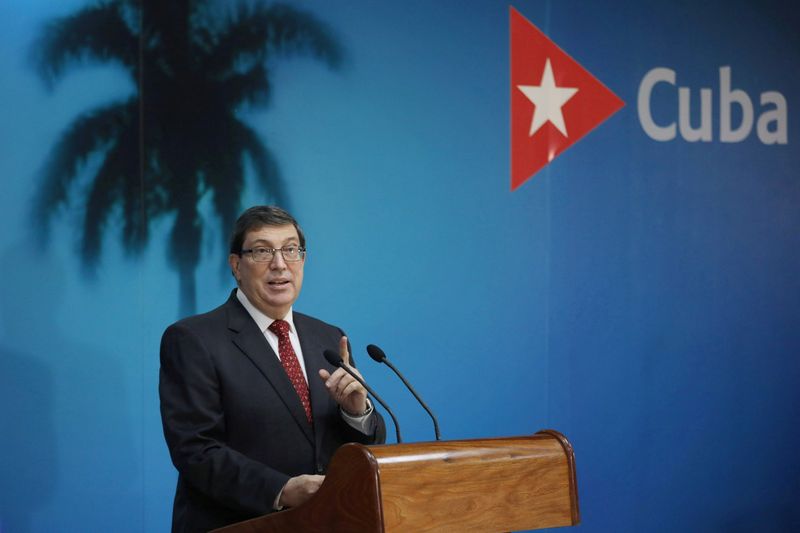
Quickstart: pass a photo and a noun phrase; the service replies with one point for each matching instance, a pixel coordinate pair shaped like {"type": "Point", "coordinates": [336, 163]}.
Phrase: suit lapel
{"type": "Point", "coordinates": [314, 360]}
{"type": "Point", "coordinates": [252, 343]}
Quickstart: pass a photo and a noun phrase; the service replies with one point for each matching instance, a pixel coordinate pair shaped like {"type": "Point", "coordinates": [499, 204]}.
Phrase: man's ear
{"type": "Point", "coordinates": [233, 261]}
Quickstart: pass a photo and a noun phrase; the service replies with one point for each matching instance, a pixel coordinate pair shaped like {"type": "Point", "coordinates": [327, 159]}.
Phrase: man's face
{"type": "Point", "coordinates": [272, 286]}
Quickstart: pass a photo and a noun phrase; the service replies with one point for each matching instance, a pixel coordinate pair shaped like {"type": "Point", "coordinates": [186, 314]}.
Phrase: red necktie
{"type": "Point", "coordinates": [290, 363]}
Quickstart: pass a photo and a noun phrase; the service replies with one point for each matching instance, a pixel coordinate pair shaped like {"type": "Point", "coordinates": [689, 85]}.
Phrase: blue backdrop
{"type": "Point", "coordinates": [639, 295]}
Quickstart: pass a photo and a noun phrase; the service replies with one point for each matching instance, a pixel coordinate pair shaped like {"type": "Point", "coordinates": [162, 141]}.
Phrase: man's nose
{"type": "Point", "coordinates": [277, 263]}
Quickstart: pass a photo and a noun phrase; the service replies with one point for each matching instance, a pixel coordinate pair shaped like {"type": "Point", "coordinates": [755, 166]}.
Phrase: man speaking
{"type": "Point", "coordinates": [252, 411]}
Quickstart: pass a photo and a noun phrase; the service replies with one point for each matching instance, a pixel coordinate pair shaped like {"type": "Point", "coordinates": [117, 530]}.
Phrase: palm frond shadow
{"type": "Point", "coordinates": [179, 137]}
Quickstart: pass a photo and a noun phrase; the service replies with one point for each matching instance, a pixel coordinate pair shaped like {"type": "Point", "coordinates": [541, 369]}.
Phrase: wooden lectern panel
{"type": "Point", "coordinates": [476, 485]}
{"type": "Point", "coordinates": [501, 484]}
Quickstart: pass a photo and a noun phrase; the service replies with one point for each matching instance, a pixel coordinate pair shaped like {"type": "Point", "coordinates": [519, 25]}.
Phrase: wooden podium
{"type": "Point", "coordinates": [501, 484]}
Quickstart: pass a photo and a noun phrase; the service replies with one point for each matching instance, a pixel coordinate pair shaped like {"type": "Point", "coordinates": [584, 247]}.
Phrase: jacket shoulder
{"type": "Point", "coordinates": [203, 320]}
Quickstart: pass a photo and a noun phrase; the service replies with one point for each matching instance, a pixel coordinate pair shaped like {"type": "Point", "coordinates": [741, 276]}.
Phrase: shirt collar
{"type": "Point", "coordinates": [262, 321]}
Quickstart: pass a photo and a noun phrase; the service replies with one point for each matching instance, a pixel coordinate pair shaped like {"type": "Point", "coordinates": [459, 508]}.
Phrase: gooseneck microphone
{"type": "Point", "coordinates": [336, 360]}
{"type": "Point", "coordinates": [380, 357]}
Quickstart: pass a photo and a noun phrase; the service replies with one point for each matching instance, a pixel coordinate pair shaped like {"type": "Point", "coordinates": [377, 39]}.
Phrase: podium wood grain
{"type": "Point", "coordinates": [501, 484]}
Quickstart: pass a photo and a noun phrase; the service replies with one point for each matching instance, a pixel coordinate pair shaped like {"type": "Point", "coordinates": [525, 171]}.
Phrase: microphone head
{"type": "Point", "coordinates": [333, 357]}
{"type": "Point", "coordinates": [376, 353]}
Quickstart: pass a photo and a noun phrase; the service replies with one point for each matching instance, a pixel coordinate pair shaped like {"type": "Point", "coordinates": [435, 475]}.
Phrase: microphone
{"type": "Point", "coordinates": [336, 360]}
{"type": "Point", "coordinates": [380, 357]}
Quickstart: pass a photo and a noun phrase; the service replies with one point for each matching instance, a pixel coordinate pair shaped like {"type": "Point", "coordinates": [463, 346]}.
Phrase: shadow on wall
{"type": "Point", "coordinates": [67, 440]}
{"type": "Point", "coordinates": [161, 157]}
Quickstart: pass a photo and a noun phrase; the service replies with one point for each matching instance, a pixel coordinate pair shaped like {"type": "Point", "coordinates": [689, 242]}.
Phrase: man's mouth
{"type": "Point", "coordinates": [278, 282]}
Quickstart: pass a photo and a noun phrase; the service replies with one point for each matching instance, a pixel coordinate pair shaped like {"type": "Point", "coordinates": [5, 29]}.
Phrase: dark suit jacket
{"type": "Point", "coordinates": [235, 427]}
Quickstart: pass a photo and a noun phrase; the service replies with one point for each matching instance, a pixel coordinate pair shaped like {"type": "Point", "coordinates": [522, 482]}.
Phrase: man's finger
{"type": "Point", "coordinates": [352, 387]}
{"type": "Point", "coordinates": [345, 382]}
{"type": "Point", "coordinates": [343, 351]}
{"type": "Point", "coordinates": [332, 381]}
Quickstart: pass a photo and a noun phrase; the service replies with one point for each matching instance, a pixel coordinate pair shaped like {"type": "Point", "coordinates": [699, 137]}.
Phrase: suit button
{"type": "Point", "coordinates": [320, 470]}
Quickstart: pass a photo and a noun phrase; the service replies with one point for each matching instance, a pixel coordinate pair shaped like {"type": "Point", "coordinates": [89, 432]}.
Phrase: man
{"type": "Point", "coordinates": [252, 411]}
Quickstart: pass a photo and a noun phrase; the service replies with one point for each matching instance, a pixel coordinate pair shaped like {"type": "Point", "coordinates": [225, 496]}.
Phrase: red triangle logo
{"type": "Point", "coordinates": [554, 100]}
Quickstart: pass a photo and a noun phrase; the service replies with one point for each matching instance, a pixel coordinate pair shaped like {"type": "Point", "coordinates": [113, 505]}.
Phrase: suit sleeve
{"type": "Point", "coordinates": [194, 428]}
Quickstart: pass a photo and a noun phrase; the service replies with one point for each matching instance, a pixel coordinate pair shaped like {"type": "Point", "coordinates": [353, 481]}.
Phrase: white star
{"type": "Point", "coordinates": [548, 99]}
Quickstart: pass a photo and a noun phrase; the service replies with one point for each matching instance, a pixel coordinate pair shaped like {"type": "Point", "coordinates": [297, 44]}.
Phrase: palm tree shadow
{"type": "Point", "coordinates": [68, 456]}
{"type": "Point", "coordinates": [179, 138]}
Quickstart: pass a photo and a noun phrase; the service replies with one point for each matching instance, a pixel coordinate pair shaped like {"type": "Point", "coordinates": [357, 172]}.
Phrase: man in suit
{"type": "Point", "coordinates": [252, 411]}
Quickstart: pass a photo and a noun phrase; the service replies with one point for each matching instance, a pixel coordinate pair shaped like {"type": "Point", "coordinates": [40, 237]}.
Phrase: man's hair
{"type": "Point", "coordinates": [257, 217]}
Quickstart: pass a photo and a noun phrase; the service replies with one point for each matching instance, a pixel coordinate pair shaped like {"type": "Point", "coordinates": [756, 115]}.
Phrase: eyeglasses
{"type": "Point", "coordinates": [261, 254]}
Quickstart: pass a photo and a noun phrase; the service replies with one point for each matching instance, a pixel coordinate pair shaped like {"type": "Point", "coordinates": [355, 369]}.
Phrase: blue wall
{"type": "Point", "coordinates": [640, 296]}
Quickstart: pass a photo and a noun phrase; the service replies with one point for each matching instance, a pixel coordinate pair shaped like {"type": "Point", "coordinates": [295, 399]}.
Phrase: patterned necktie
{"type": "Point", "coordinates": [290, 364]}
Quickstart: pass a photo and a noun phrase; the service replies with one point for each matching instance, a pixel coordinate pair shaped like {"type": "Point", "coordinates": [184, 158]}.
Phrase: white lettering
{"type": "Point", "coordinates": [656, 132]}
{"type": "Point", "coordinates": [726, 97]}
{"type": "Point", "coordinates": [772, 125]}
{"type": "Point", "coordinates": [703, 133]}
{"type": "Point", "coordinates": [780, 134]}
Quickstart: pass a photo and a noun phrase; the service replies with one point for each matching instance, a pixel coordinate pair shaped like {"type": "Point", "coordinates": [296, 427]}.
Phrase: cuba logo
{"type": "Point", "coordinates": [737, 111]}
